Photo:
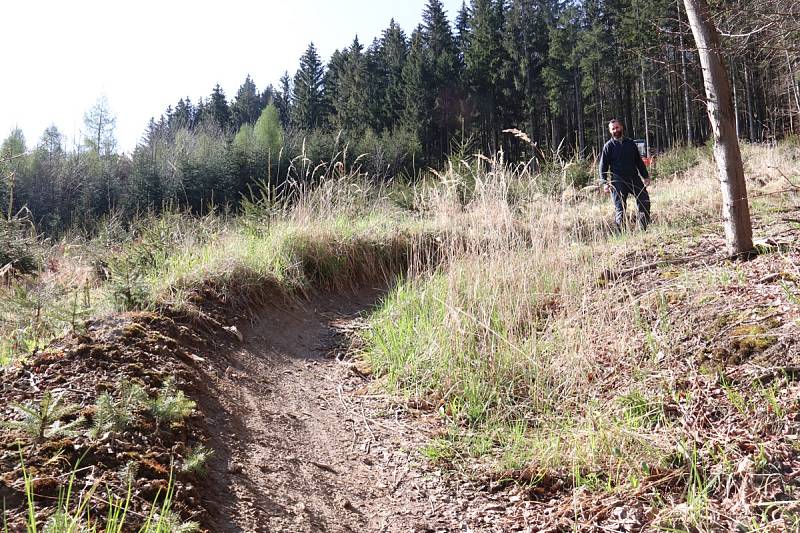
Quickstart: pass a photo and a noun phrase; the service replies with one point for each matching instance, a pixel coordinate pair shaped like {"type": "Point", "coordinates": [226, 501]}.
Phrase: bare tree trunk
{"type": "Point", "coordinates": [735, 100]}
{"type": "Point", "coordinates": [667, 136]}
{"type": "Point", "coordinates": [792, 88]}
{"type": "Point", "coordinates": [602, 117]}
{"type": "Point", "coordinates": [579, 113]}
{"type": "Point", "coordinates": [11, 196]}
{"type": "Point", "coordinates": [597, 121]}
{"type": "Point", "coordinates": [748, 87]}
{"type": "Point", "coordinates": [793, 82]}
{"type": "Point", "coordinates": [628, 110]}
{"type": "Point", "coordinates": [666, 111]}
{"type": "Point", "coordinates": [644, 105]}
{"type": "Point", "coordinates": [686, 101]}
{"type": "Point", "coordinates": [789, 104]}
{"type": "Point", "coordinates": [735, 208]}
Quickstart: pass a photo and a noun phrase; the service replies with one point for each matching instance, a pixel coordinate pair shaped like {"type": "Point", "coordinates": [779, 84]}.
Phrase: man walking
{"type": "Point", "coordinates": [629, 175]}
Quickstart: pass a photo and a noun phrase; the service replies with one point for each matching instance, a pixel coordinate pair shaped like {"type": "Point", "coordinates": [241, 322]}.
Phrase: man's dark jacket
{"type": "Point", "coordinates": [621, 156]}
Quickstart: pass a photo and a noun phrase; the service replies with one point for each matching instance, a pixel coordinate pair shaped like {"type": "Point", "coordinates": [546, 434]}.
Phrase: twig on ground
{"type": "Point", "coordinates": [608, 275]}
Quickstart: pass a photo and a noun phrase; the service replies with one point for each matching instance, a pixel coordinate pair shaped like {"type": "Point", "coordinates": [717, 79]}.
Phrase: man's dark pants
{"type": "Point", "coordinates": [619, 194]}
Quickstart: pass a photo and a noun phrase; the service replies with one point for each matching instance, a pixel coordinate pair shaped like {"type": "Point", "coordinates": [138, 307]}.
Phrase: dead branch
{"type": "Point", "coordinates": [609, 275]}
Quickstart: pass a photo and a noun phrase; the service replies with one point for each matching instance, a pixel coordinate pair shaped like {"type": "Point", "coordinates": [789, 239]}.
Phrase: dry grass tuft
{"type": "Point", "coordinates": [539, 361]}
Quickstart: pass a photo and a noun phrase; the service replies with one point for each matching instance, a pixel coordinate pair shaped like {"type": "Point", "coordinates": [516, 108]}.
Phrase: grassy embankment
{"type": "Point", "coordinates": [546, 367]}
{"type": "Point", "coordinates": [505, 323]}
{"type": "Point", "coordinates": [512, 338]}
{"type": "Point", "coordinates": [331, 238]}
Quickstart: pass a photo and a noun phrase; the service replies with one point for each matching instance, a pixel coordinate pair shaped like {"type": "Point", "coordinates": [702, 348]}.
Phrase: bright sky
{"type": "Point", "coordinates": [61, 56]}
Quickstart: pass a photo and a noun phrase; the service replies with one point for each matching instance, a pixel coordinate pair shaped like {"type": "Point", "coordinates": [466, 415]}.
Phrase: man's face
{"type": "Point", "coordinates": [615, 129]}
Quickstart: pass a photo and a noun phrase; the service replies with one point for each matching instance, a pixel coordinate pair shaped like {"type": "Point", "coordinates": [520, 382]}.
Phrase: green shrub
{"type": "Point", "coordinates": [387, 154]}
{"type": "Point", "coordinates": [580, 174]}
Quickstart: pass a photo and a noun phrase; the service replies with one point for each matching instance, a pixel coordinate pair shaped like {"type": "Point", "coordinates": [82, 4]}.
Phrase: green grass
{"type": "Point", "coordinates": [500, 323]}
{"type": "Point", "coordinates": [508, 338]}
{"type": "Point", "coordinates": [75, 512]}
{"type": "Point", "coordinates": [490, 345]}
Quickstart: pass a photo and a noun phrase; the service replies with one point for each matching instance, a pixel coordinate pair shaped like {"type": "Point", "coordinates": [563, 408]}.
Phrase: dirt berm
{"type": "Point", "coordinates": [300, 441]}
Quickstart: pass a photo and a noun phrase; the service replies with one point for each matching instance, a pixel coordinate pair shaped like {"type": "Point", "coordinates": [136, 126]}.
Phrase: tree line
{"type": "Point", "coordinates": [557, 70]}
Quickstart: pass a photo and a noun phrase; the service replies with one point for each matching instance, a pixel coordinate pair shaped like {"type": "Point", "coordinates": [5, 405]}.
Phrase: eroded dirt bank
{"type": "Point", "coordinates": [306, 447]}
{"type": "Point", "coordinates": [300, 440]}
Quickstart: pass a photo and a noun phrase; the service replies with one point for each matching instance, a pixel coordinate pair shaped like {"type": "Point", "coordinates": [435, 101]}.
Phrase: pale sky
{"type": "Point", "coordinates": [60, 56]}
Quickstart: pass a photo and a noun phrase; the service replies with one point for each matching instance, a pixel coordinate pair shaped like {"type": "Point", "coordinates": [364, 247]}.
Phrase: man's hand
{"type": "Point", "coordinates": [606, 187]}
{"type": "Point", "coordinates": [647, 182]}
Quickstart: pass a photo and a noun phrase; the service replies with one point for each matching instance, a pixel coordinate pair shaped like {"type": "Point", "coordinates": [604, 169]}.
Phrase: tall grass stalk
{"type": "Point", "coordinates": [514, 330]}
{"type": "Point", "coordinates": [73, 515]}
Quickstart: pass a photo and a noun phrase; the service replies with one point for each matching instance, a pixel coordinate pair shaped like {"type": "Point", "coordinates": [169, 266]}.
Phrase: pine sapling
{"type": "Point", "coordinates": [114, 413]}
{"type": "Point", "coordinates": [171, 405]}
{"type": "Point", "coordinates": [195, 462]}
{"type": "Point", "coordinates": [42, 419]}
{"type": "Point", "coordinates": [170, 521]}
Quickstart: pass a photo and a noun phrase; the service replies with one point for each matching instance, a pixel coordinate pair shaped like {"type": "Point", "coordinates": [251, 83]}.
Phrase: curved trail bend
{"type": "Point", "coordinates": [300, 446]}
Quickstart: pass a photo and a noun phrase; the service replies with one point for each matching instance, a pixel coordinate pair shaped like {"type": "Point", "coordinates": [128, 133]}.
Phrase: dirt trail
{"type": "Point", "coordinates": [297, 450]}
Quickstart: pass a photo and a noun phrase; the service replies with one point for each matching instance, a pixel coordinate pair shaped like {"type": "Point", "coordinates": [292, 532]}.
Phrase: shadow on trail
{"type": "Point", "coordinates": [286, 454]}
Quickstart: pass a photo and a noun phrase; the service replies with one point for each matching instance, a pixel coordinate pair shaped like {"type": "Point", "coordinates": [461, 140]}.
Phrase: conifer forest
{"type": "Point", "coordinates": [413, 97]}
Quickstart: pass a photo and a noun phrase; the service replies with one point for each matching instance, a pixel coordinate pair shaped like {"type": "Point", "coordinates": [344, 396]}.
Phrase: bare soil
{"type": "Point", "coordinates": [306, 447]}
{"type": "Point", "coordinates": [301, 443]}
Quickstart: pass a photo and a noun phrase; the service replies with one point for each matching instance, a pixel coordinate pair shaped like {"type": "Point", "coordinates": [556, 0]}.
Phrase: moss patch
{"type": "Point", "coordinates": [752, 339]}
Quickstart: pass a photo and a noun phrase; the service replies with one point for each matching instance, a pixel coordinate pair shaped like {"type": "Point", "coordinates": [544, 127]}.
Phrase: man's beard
{"type": "Point", "coordinates": [617, 134]}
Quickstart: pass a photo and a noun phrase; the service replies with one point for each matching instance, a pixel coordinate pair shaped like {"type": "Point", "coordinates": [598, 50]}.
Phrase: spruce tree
{"type": "Point", "coordinates": [351, 102]}
{"type": "Point", "coordinates": [283, 100]}
{"type": "Point", "coordinates": [462, 30]}
{"type": "Point", "coordinates": [391, 57]}
{"type": "Point", "coordinates": [200, 113]}
{"type": "Point", "coordinates": [375, 84]}
{"type": "Point", "coordinates": [247, 106]}
{"type": "Point", "coordinates": [146, 191]}
{"type": "Point", "coordinates": [218, 109]}
{"type": "Point", "coordinates": [419, 96]}
{"type": "Point", "coordinates": [183, 116]}
{"type": "Point", "coordinates": [483, 58]}
{"type": "Point", "coordinates": [49, 159]}
{"type": "Point", "coordinates": [442, 57]}
{"type": "Point", "coordinates": [438, 38]}
{"type": "Point", "coordinates": [559, 73]}
{"type": "Point", "coordinates": [307, 102]}
{"type": "Point", "coordinates": [594, 81]}
{"type": "Point", "coordinates": [332, 81]}
{"type": "Point", "coordinates": [268, 96]}
{"type": "Point", "coordinates": [525, 40]}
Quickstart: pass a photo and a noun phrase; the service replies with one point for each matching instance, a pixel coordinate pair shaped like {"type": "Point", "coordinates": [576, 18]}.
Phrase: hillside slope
{"type": "Point", "coordinates": [473, 353]}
